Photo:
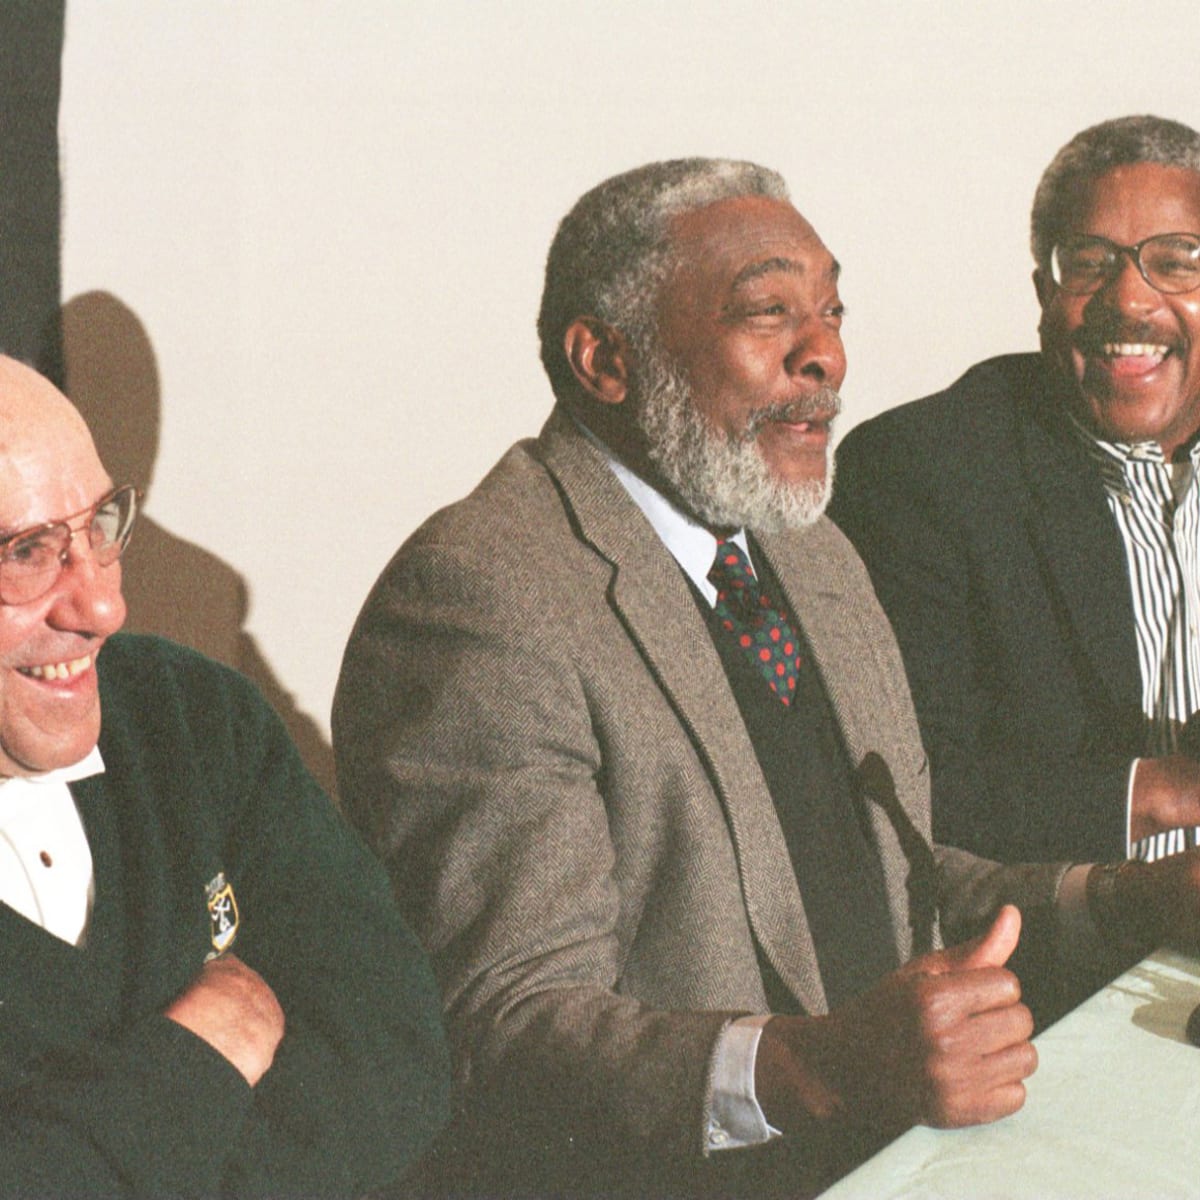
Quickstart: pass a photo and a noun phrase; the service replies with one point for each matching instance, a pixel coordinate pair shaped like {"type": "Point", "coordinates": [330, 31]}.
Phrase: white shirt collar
{"type": "Point", "coordinates": [691, 545]}
{"type": "Point", "coordinates": [40, 827]}
{"type": "Point", "coordinates": [90, 764]}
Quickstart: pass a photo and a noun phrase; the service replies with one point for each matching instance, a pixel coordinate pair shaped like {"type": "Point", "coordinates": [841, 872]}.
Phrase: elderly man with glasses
{"type": "Point", "coordinates": [204, 987]}
{"type": "Point", "coordinates": [1034, 531]}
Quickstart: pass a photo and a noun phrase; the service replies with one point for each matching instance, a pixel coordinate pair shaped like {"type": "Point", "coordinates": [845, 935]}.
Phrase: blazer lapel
{"type": "Point", "coordinates": [652, 598]}
{"type": "Point", "coordinates": [1082, 557]}
{"type": "Point", "coordinates": [846, 652]}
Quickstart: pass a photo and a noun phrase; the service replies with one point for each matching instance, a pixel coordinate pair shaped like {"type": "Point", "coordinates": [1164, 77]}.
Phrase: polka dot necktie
{"type": "Point", "coordinates": [761, 628]}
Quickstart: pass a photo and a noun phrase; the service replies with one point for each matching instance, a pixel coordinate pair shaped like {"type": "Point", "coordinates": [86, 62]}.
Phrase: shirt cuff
{"type": "Point", "coordinates": [737, 1120]}
{"type": "Point", "coordinates": [1133, 766]}
{"type": "Point", "coordinates": [1079, 933]}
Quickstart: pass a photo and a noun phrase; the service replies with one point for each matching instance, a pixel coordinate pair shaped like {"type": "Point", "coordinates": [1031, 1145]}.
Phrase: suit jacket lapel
{"type": "Point", "coordinates": [1082, 556]}
{"type": "Point", "coordinates": [845, 655]}
{"type": "Point", "coordinates": [652, 598]}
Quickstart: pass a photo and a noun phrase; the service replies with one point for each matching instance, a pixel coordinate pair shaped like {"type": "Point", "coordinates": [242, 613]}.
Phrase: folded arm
{"type": "Point", "coordinates": [329, 1008]}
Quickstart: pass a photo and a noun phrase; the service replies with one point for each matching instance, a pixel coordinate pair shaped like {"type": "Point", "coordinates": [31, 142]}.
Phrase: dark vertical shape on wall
{"type": "Point", "coordinates": [31, 44]}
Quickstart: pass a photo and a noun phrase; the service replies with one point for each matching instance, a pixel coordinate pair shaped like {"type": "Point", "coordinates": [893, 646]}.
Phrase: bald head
{"type": "Point", "coordinates": [34, 416]}
{"type": "Point", "coordinates": [50, 472]}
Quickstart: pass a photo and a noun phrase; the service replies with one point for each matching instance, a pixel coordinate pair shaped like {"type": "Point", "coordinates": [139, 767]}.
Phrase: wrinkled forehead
{"type": "Point", "coordinates": [1133, 200]}
{"type": "Point", "coordinates": [735, 240]}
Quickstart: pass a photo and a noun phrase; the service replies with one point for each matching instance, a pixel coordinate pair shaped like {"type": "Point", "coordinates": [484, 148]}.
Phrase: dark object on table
{"type": "Point", "coordinates": [1193, 1026]}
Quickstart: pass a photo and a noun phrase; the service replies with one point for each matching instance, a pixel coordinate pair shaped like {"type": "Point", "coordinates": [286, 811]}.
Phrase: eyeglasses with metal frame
{"type": "Point", "coordinates": [1168, 262]}
{"type": "Point", "coordinates": [31, 560]}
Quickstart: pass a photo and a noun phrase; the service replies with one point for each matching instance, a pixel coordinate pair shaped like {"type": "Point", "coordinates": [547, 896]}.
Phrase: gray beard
{"type": "Point", "coordinates": [723, 481]}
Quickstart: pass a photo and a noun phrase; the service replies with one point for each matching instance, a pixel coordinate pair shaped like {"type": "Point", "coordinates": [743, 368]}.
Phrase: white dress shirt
{"type": "Point", "coordinates": [45, 862]}
{"type": "Point", "coordinates": [1156, 507]}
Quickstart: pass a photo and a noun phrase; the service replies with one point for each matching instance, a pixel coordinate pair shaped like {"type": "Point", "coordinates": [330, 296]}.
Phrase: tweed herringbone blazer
{"type": "Point", "coordinates": [534, 731]}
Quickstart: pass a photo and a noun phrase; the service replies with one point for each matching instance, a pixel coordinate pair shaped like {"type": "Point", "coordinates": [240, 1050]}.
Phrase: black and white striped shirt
{"type": "Point", "coordinates": [1156, 505]}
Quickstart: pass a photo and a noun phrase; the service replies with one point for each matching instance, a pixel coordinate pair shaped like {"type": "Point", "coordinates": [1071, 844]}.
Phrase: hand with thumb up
{"type": "Point", "coordinates": [942, 1041]}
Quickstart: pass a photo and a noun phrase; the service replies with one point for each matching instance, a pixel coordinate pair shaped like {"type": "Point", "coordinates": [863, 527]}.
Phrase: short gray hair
{"type": "Point", "coordinates": [611, 253]}
{"type": "Point", "coordinates": [1094, 152]}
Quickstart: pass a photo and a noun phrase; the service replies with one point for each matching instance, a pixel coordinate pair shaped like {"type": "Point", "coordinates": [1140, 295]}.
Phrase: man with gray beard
{"type": "Point", "coordinates": [724, 480]}
{"type": "Point", "coordinates": [633, 737]}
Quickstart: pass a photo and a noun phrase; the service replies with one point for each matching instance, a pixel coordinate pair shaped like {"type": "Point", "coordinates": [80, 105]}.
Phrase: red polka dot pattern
{"type": "Point", "coordinates": [762, 628]}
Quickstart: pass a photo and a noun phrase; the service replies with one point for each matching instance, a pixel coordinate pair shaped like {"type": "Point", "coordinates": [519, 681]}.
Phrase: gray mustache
{"type": "Point", "coordinates": [824, 403]}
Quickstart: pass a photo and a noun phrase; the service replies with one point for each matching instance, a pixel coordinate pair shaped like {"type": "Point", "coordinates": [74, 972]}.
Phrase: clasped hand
{"type": "Point", "coordinates": [235, 1011]}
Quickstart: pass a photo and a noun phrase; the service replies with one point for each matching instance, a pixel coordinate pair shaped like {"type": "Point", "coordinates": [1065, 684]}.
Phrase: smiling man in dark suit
{"type": "Point", "coordinates": [633, 735]}
{"type": "Point", "coordinates": [1034, 531]}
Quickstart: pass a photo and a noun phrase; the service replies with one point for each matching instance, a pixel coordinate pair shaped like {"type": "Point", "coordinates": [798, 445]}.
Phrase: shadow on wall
{"type": "Point", "coordinates": [173, 587]}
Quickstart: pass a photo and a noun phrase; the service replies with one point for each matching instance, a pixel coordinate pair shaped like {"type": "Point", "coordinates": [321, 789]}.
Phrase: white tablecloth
{"type": "Point", "coordinates": [1113, 1110]}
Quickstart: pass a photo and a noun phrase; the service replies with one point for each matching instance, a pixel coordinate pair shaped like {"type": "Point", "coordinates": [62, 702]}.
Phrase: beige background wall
{"type": "Point", "coordinates": [303, 240]}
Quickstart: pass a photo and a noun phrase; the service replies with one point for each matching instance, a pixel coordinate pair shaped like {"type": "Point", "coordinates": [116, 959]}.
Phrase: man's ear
{"type": "Point", "coordinates": [599, 356]}
{"type": "Point", "coordinates": [1043, 285]}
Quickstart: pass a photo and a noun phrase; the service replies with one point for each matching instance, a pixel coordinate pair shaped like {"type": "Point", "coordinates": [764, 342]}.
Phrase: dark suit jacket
{"type": "Point", "coordinates": [989, 539]}
{"type": "Point", "coordinates": [534, 730]}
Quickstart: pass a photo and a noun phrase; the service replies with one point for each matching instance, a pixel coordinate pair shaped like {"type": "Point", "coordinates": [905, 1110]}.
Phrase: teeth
{"type": "Point", "coordinates": [1134, 350]}
{"type": "Point", "coordinates": [62, 670]}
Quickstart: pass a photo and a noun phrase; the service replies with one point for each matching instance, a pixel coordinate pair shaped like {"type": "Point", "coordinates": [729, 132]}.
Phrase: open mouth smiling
{"type": "Point", "coordinates": [56, 671]}
{"type": "Point", "coordinates": [1126, 352]}
{"type": "Point", "coordinates": [1153, 350]}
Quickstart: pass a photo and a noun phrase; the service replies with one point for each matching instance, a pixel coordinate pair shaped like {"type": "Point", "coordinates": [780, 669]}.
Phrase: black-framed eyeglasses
{"type": "Point", "coordinates": [1168, 262]}
{"type": "Point", "coordinates": [32, 560]}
